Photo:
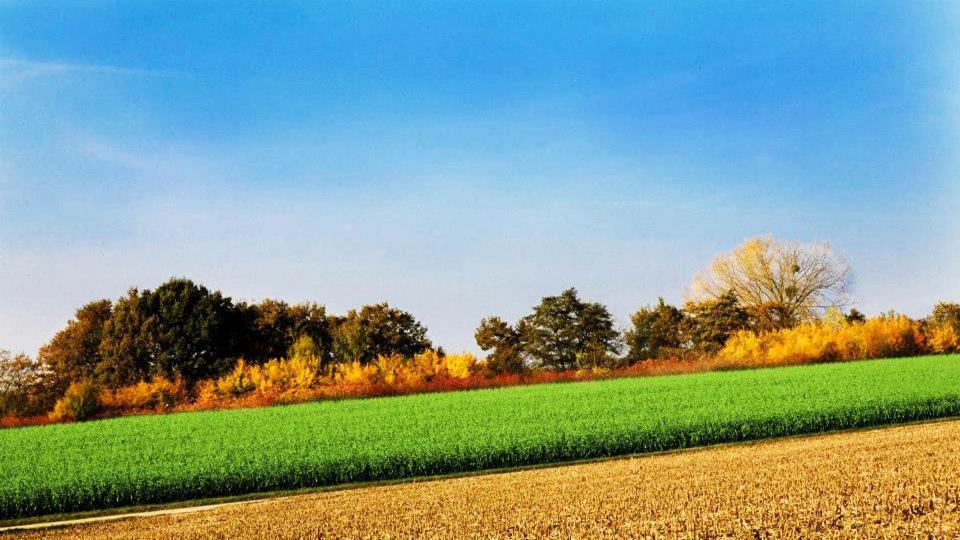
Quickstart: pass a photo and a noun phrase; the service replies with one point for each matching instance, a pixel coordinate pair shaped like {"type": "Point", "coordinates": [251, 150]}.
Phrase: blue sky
{"type": "Point", "coordinates": [465, 159]}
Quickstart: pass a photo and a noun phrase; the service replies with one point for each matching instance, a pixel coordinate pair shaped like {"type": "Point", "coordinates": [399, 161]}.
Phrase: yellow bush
{"type": "Point", "coordinates": [237, 382]}
{"type": "Point", "coordinates": [357, 373]}
{"type": "Point", "coordinates": [395, 369]}
{"type": "Point", "coordinates": [306, 372]}
{"type": "Point", "coordinates": [80, 402]}
{"type": "Point", "coordinates": [158, 393]}
{"type": "Point", "coordinates": [207, 394]}
{"type": "Point", "coordinates": [278, 375]}
{"type": "Point", "coordinates": [944, 339]}
{"type": "Point", "coordinates": [460, 366]}
{"type": "Point", "coordinates": [880, 337]}
{"type": "Point", "coordinates": [743, 348]}
{"type": "Point", "coordinates": [425, 366]}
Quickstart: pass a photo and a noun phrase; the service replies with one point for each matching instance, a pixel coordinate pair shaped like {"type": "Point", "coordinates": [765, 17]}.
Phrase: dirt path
{"type": "Point", "coordinates": [894, 482]}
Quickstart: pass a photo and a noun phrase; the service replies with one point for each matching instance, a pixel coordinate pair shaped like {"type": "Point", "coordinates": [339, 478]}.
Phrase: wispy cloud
{"type": "Point", "coordinates": [15, 71]}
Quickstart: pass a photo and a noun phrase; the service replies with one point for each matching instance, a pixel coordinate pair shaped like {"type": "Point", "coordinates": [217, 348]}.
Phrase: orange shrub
{"type": "Point", "coordinates": [882, 337]}
{"type": "Point", "coordinates": [237, 382]}
{"type": "Point", "coordinates": [278, 376]}
{"type": "Point", "coordinates": [158, 394]}
{"type": "Point", "coordinates": [208, 395]}
{"type": "Point", "coordinates": [357, 373]}
{"type": "Point", "coordinates": [80, 402]}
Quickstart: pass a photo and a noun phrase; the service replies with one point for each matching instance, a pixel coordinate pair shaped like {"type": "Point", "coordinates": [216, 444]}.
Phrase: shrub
{"type": "Point", "coordinates": [278, 376]}
{"type": "Point", "coordinates": [157, 393]}
{"type": "Point", "coordinates": [943, 328]}
{"type": "Point", "coordinates": [460, 366]}
{"type": "Point", "coordinates": [356, 373]}
{"type": "Point", "coordinates": [80, 402]}
{"type": "Point", "coordinates": [943, 340]}
{"type": "Point", "coordinates": [879, 337]}
{"type": "Point", "coordinates": [396, 370]}
{"type": "Point", "coordinates": [237, 382]}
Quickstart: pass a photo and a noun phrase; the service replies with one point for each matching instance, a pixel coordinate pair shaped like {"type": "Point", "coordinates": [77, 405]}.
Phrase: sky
{"type": "Point", "coordinates": [465, 159]}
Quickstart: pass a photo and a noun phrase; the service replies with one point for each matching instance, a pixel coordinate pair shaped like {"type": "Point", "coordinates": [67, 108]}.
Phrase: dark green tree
{"type": "Point", "coordinates": [564, 332]}
{"type": "Point", "coordinates": [179, 329]}
{"type": "Point", "coordinates": [275, 326]}
{"type": "Point", "coordinates": [376, 330]}
{"type": "Point", "coordinates": [503, 341]}
{"type": "Point", "coordinates": [657, 332]}
{"type": "Point", "coordinates": [710, 323]}
{"type": "Point", "coordinates": [127, 347]}
{"type": "Point", "coordinates": [855, 316]}
{"type": "Point", "coordinates": [74, 352]}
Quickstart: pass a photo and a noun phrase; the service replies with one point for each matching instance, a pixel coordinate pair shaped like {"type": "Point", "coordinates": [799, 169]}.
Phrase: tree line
{"type": "Point", "coordinates": [763, 285]}
{"type": "Point", "coordinates": [182, 330]}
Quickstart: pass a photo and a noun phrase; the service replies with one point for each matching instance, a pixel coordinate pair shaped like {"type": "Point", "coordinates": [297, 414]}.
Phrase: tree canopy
{"type": "Point", "coordinates": [657, 332]}
{"type": "Point", "coordinates": [562, 332]}
{"type": "Point", "coordinates": [275, 327]}
{"type": "Point", "coordinates": [73, 353]}
{"type": "Point", "coordinates": [709, 323]}
{"type": "Point", "coordinates": [503, 342]}
{"type": "Point", "coordinates": [376, 330]}
{"type": "Point", "coordinates": [781, 283]}
{"type": "Point", "coordinates": [182, 329]}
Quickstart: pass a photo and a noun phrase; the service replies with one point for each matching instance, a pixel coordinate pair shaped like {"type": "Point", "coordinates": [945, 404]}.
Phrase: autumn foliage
{"type": "Point", "coordinates": [281, 377]}
{"type": "Point", "coordinates": [107, 361]}
{"type": "Point", "coordinates": [306, 378]}
{"type": "Point", "coordinates": [880, 337]}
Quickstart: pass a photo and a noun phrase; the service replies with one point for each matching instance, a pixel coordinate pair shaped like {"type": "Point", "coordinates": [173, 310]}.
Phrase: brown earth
{"type": "Point", "coordinates": [895, 482]}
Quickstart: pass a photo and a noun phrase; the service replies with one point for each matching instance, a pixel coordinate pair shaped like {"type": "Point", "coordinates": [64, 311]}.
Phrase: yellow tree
{"type": "Point", "coordinates": [781, 283]}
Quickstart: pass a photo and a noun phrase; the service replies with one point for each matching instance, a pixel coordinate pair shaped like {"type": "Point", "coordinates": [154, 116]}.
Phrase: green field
{"type": "Point", "coordinates": [152, 459]}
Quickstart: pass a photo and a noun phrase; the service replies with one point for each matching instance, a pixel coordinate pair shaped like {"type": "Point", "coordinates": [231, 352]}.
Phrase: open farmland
{"type": "Point", "coordinates": [891, 482]}
{"type": "Point", "coordinates": [137, 460]}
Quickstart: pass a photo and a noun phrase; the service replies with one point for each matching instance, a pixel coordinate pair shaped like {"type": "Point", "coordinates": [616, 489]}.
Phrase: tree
{"type": "Point", "coordinates": [74, 352]}
{"type": "Point", "coordinates": [310, 320]}
{"type": "Point", "coordinates": [710, 323]}
{"type": "Point", "coordinates": [503, 340]}
{"type": "Point", "coordinates": [127, 347]}
{"type": "Point", "coordinates": [304, 348]}
{"type": "Point", "coordinates": [564, 332]}
{"type": "Point", "coordinates": [781, 283]}
{"type": "Point", "coordinates": [180, 329]}
{"type": "Point", "coordinates": [656, 332]}
{"type": "Point", "coordinates": [855, 317]}
{"type": "Point", "coordinates": [946, 314]}
{"type": "Point", "coordinates": [942, 328]}
{"type": "Point", "coordinates": [274, 327]}
{"type": "Point", "coordinates": [377, 330]}
{"type": "Point", "coordinates": [25, 387]}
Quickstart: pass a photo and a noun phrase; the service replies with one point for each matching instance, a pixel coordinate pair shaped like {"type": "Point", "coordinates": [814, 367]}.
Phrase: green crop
{"type": "Point", "coordinates": [152, 459]}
